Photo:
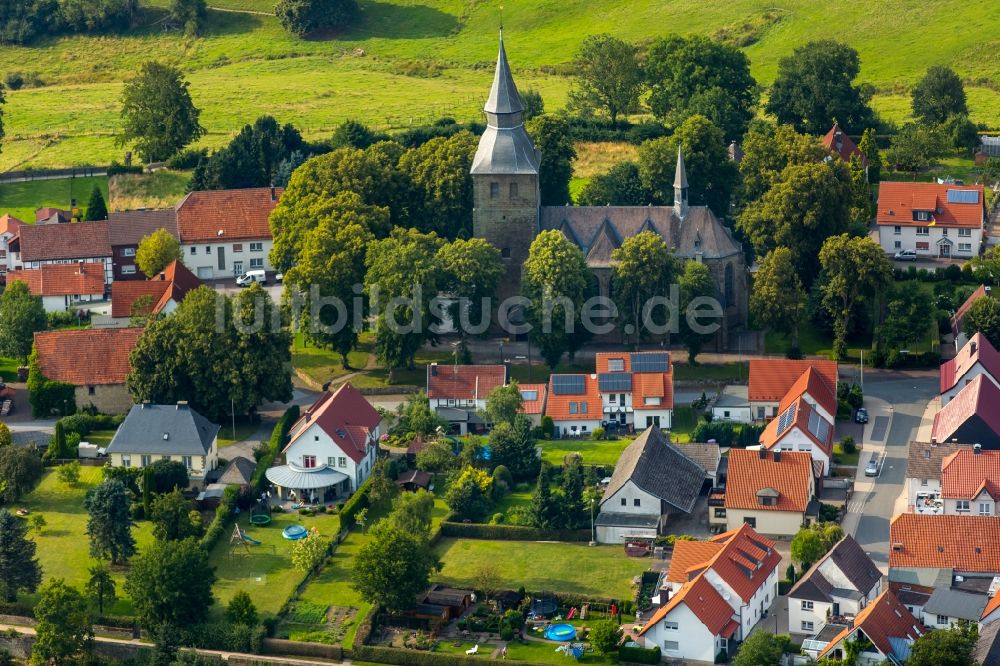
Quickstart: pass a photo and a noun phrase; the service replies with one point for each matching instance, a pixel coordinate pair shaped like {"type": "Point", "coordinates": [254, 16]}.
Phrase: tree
{"type": "Point", "coordinates": [621, 185]}
{"type": "Point", "coordinates": [768, 150]}
{"type": "Point", "coordinates": [643, 267]}
{"type": "Point", "coordinates": [416, 415]}
{"type": "Point", "coordinates": [814, 87]}
{"type": "Point", "coordinates": [556, 280]}
{"type": "Point", "coordinates": [63, 631]}
{"type": "Point", "coordinates": [551, 136]}
{"type": "Point", "coordinates": [807, 547]}
{"type": "Point", "coordinates": [192, 14]}
{"type": "Point", "coordinates": [470, 272]}
{"type": "Point", "coordinates": [96, 208]}
{"type": "Point", "coordinates": [411, 512]}
{"type": "Point", "coordinates": [440, 173]}
{"type": "Point", "coordinates": [437, 456]}
{"type": "Point", "coordinates": [983, 317]}
{"type": "Point", "coordinates": [915, 147]}
{"type": "Point", "coordinates": [487, 580]}
{"type": "Point", "coordinates": [381, 487]}
{"type": "Point", "coordinates": [605, 636]}
{"type": "Point", "coordinates": [38, 522]}
{"type": "Point", "coordinates": [697, 288]}
{"type": "Point", "coordinates": [96, 15]}
{"type": "Point", "coordinates": [712, 174]}
{"type": "Point", "coordinates": [533, 104]}
{"type": "Point", "coordinates": [304, 17]}
{"type": "Point", "coordinates": [21, 316]}
{"type": "Point", "coordinates": [470, 494]}
{"type": "Point", "coordinates": [869, 148]}
{"type": "Point", "coordinates": [854, 268]}
{"type": "Point", "coordinates": [697, 75]}
{"type": "Point", "coordinates": [393, 567]}
{"type": "Point", "coordinates": [6, 439]}
{"type": "Point", "coordinates": [353, 134]}
{"type": "Point", "coordinates": [909, 309]}
{"type": "Point", "coordinates": [544, 509]}
{"type": "Point", "coordinates": [960, 132]}
{"type": "Point", "coordinates": [761, 649]}
{"type": "Point", "coordinates": [156, 251]}
{"type": "Point", "coordinates": [778, 300]}
{"type": "Point", "coordinates": [170, 583]}
{"type": "Point", "coordinates": [260, 351]}
{"type": "Point", "coordinates": [20, 470]}
{"type": "Point", "coordinates": [69, 473]}
{"type": "Point", "coordinates": [862, 208]}
{"type": "Point", "coordinates": [503, 404]}
{"type": "Point", "coordinates": [512, 446]}
{"type": "Point", "coordinates": [807, 204]}
{"type": "Point", "coordinates": [251, 159]}
{"type": "Point", "coordinates": [166, 476]}
{"type": "Point", "coordinates": [241, 610]}
{"type": "Point", "coordinates": [309, 553]}
{"type": "Point", "coordinates": [938, 95]}
{"type": "Point", "coordinates": [946, 647]}
{"type": "Point", "coordinates": [19, 569]}
{"type": "Point", "coordinates": [110, 522]}
{"type": "Point", "coordinates": [158, 116]}
{"type": "Point", "coordinates": [608, 76]}
{"type": "Point", "coordinates": [101, 586]}
{"type": "Point", "coordinates": [174, 518]}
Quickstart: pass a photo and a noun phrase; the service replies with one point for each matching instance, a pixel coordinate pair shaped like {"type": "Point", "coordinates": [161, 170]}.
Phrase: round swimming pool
{"type": "Point", "coordinates": [294, 532]}
{"type": "Point", "coordinates": [560, 632]}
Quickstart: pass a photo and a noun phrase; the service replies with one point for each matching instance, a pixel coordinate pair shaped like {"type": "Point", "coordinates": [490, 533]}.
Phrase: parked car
{"type": "Point", "coordinates": [905, 255]}
{"type": "Point", "coordinates": [871, 469]}
{"type": "Point", "coordinates": [250, 277]}
{"type": "Point", "coordinates": [861, 416]}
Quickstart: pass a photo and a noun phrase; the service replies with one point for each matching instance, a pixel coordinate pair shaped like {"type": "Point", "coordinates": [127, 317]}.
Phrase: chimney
{"type": "Point", "coordinates": [972, 347]}
{"type": "Point", "coordinates": [182, 404]}
{"type": "Point", "coordinates": [977, 449]}
{"type": "Point", "coordinates": [274, 196]}
{"type": "Point", "coordinates": [762, 452]}
{"type": "Point", "coordinates": [927, 454]}
{"type": "Point", "coordinates": [434, 369]}
{"type": "Point", "coordinates": [777, 455]}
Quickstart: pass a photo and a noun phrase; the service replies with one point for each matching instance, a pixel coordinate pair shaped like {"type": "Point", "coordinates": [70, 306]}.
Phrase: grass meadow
{"type": "Point", "coordinates": [22, 199]}
{"type": "Point", "coordinates": [408, 61]}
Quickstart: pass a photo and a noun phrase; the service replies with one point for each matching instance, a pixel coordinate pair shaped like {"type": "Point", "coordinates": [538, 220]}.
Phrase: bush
{"type": "Point", "coordinates": [847, 445]}
{"type": "Point", "coordinates": [724, 433]}
{"type": "Point", "coordinates": [48, 397]}
{"type": "Point", "coordinates": [357, 501]}
{"type": "Point", "coordinates": [187, 158]}
{"type": "Point", "coordinates": [548, 427]}
{"type": "Point", "coordinates": [14, 80]}
{"type": "Point", "coordinates": [118, 168]}
{"type": "Point", "coordinates": [639, 655]}
{"type": "Point", "coordinates": [223, 513]}
{"type": "Point", "coordinates": [598, 433]}
{"type": "Point", "coordinates": [502, 475]}
{"type": "Point", "coordinates": [722, 657]}
{"type": "Point", "coordinates": [84, 424]}
{"type": "Point", "coordinates": [503, 532]}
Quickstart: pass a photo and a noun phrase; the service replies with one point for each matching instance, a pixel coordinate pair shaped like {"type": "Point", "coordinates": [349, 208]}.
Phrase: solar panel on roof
{"type": "Point", "coordinates": [650, 362]}
{"type": "Point", "coordinates": [818, 426]}
{"type": "Point", "coordinates": [963, 196]}
{"type": "Point", "coordinates": [569, 384]}
{"type": "Point", "coordinates": [614, 381]}
{"type": "Point", "coordinates": [786, 418]}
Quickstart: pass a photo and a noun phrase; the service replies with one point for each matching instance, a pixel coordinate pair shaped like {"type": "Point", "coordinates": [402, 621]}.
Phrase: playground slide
{"type": "Point", "coordinates": [571, 614]}
{"type": "Point", "coordinates": [250, 539]}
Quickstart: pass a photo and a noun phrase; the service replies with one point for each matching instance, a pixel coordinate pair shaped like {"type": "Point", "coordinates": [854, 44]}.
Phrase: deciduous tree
{"type": "Point", "coordinates": [946, 647]}
{"type": "Point", "coordinates": [621, 185]}
{"type": "Point", "coordinates": [439, 171]}
{"type": "Point", "coordinates": [608, 76]}
{"type": "Point", "coordinates": [909, 310]}
{"type": "Point", "coordinates": [309, 553]}
{"type": "Point", "coordinates": [20, 471]}
{"type": "Point", "coordinates": [241, 610]}
{"type": "Point", "coordinates": [915, 147]}
{"type": "Point", "coordinates": [96, 208]}
{"type": "Point", "coordinates": [170, 584]}
{"type": "Point", "coordinates": [101, 586]}
{"type": "Point", "coordinates": [63, 632]}
{"type": "Point", "coordinates": [19, 569]}
{"type": "Point", "coordinates": [251, 159]}
{"type": "Point", "coordinates": [158, 116]}
{"type": "Point", "coordinates": [551, 137]}
{"type": "Point", "coordinates": [512, 446]}
{"type": "Point", "coordinates": [767, 150]}
{"type": "Point", "coordinates": [778, 300]}
{"type": "Point", "coordinates": [192, 14]}
{"type": "Point", "coordinates": [644, 267]}
{"type": "Point", "coordinates": [412, 512]}
{"type": "Point", "coordinates": [761, 649]}
{"type": "Point", "coordinates": [110, 522]}
{"type": "Point", "coordinates": [503, 403]}
{"type": "Point", "coordinates": [984, 317]}
{"type": "Point", "coordinates": [156, 251]}
{"type": "Point", "coordinates": [697, 287]}
{"type": "Point", "coordinates": [174, 518]}
{"type": "Point", "coordinates": [470, 494]}
{"type": "Point", "coordinates": [470, 270]}
{"type": "Point", "coordinates": [868, 145]}
{"type": "Point", "coordinates": [304, 17]}
{"type": "Point", "coordinates": [937, 95]}
{"type": "Point", "coordinates": [21, 316]}
{"type": "Point", "coordinates": [393, 567]}
{"type": "Point", "coordinates": [6, 439]}
{"type": "Point", "coordinates": [606, 636]}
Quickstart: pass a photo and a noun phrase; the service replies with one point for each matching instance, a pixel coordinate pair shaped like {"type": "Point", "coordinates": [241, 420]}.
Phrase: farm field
{"type": "Point", "coordinates": [22, 199]}
{"type": "Point", "coordinates": [408, 62]}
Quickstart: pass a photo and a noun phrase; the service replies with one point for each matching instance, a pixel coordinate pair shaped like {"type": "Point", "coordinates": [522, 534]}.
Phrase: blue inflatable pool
{"type": "Point", "coordinates": [294, 532]}
{"type": "Point", "coordinates": [561, 632]}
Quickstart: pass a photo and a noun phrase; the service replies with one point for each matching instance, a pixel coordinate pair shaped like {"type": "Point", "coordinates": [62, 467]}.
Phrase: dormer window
{"type": "Point", "coordinates": [922, 215]}
{"type": "Point", "coordinates": [767, 497]}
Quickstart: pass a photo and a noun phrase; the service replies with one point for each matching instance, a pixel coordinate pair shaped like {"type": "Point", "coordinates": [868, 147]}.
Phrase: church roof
{"type": "Point", "coordinates": [503, 95]}
{"type": "Point", "coordinates": [680, 175]}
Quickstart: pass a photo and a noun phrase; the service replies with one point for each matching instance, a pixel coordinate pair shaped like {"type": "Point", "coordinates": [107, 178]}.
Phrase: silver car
{"type": "Point", "coordinates": [871, 469]}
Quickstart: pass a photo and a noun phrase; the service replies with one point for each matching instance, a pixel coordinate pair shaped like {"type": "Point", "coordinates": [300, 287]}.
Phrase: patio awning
{"type": "Point", "coordinates": [301, 478]}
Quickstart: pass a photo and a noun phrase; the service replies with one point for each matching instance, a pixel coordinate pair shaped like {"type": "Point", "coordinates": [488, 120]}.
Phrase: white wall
{"type": "Point", "coordinates": [914, 486]}
{"type": "Point", "coordinates": [62, 303]}
{"type": "Point", "coordinates": [735, 414]}
{"type": "Point", "coordinates": [611, 534]}
{"type": "Point", "coordinates": [796, 440]}
{"type": "Point", "coordinates": [694, 640]}
{"type": "Point", "coordinates": [12, 260]}
{"type": "Point", "coordinates": [206, 264]}
{"type": "Point", "coordinates": [761, 601]}
{"type": "Point", "coordinates": [607, 404]}
{"type": "Point", "coordinates": [666, 418]}
{"type": "Point", "coordinates": [624, 499]}
{"type": "Point", "coordinates": [797, 615]}
{"type": "Point", "coordinates": [951, 506]}
{"type": "Point", "coordinates": [565, 428]}
{"type": "Point", "coordinates": [474, 405]}
{"type": "Point", "coordinates": [770, 409]}
{"type": "Point", "coordinates": [109, 272]}
{"type": "Point", "coordinates": [315, 442]}
{"type": "Point", "coordinates": [971, 374]}
{"type": "Point", "coordinates": [775, 523]}
{"type": "Point", "coordinates": [907, 239]}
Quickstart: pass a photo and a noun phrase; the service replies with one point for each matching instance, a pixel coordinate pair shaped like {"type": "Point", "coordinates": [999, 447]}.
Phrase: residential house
{"type": "Point", "coordinates": [801, 426]}
{"type": "Point", "coordinates": [972, 415]}
{"type": "Point", "coordinates": [653, 480]}
{"type": "Point", "coordinates": [978, 357]}
{"type": "Point", "coordinates": [166, 432]}
{"type": "Point", "coordinates": [889, 628]}
{"type": "Point", "coordinates": [929, 549]}
{"type": "Point", "coordinates": [949, 605]}
{"type": "Point", "coordinates": [332, 448]}
{"type": "Point", "coordinates": [837, 141]}
{"type": "Point", "coordinates": [224, 233]}
{"type": "Point", "coordinates": [53, 216]}
{"type": "Point", "coordinates": [94, 361]}
{"type": "Point", "coordinates": [237, 472]}
{"type": "Point", "coordinates": [127, 228]}
{"type": "Point", "coordinates": [36, 245]}
{"type": "Point", "coordinates": [958, 319]}
{"type": "Point", "coordinates": [164, 292]}
{"type": "Point", "coordinates": [936, 220]}
{"type": "Point", "coordinates": [719, 591]}
{"type": "Point", "coordinates": [9, 227]}
{"type": "Point", "coordinates": [841, 583]}
{"type": "Point", "coordinates": [970, 482]}
{"type": "Point", "coordinates": [637, 389]}
{"type": "Point", "coordinates": [771, 379]}
{"type": "Point", "coordinates": [923, 475]}
{"type": "Point", "coordinates": [533, 398]}
{"type": "Point", "coordinates": [574, 404]}
{"type": "Point", "coordinates": [773, 492]}
{"type": "Point", "coordinates": [457, 393]}
{"type": "Point", "coordinates": [732, 404]}
{"type": "Point", "coordinates": [987, 651]}
{"type": "Point", "coordinates": [709, 456]}
{"type": "Point", "coordinates": [63, 287]}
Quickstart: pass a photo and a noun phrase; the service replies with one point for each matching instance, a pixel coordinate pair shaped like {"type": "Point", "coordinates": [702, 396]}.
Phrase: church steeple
{"type": "Point", "coordinates": [680, 187]}
{"type": "Point", "coordinates": [504, 99]}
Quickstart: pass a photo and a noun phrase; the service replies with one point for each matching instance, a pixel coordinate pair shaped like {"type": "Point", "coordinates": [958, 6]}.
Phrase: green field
{"type": "Point", "coordinates": [22, 199]}
{"type": "Point", "coordinates": [410, 61]}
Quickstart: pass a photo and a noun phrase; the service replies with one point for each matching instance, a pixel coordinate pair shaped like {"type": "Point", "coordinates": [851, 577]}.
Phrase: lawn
{"type": "Point", "coordinates": [8, 368]}
{"type": "Point", "coordinates": [406, 62]}
{"type": "Point", "coordinates": [160, 189]}
{"type": "Point", "coordinates": [63, 546]}
{"type": "Point", "coordinates": [849, 459]}
{"type": "Point", "coordinates": [599, 571]}
{"type": "Point", "coordinates": [100, 437]}
{"type": "Point", "coordinates": [245, 428]}
{"type": "Point", "coordinates": [322, 365]}
{"type": "Point", "coordinates": [536, 652]}
{"type": "Point", "coordinates": [594, 451]}
{"type": "Point", "coordinates": [22, 199]}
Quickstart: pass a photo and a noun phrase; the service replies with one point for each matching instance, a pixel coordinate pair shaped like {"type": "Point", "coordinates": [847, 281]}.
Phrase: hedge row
{"type": "Point", "coordinates": [388, 655]}
{"type": "Point", "coordinates": [83, 424]}
{"type": "Point", "coordinates": [639, 655]}
{"type": "Point", "coordinates": [48, 397]}
{"type": "Point", "coordinates": [510, 532]}
{"type": "Point", "coordinates": [357, 501]}
{"type": "Point", "coordinates": [274, 446]}
{"type": "Point", "coordinates": [223, 513]}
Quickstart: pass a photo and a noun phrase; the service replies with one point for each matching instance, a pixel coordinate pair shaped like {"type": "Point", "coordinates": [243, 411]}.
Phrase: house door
{"type": "Point", "coordinates": [945, 250]}
{"type": "Point", "coordinates": [222, 258]}
{"type": "Point", "coordinates": [237, 268]}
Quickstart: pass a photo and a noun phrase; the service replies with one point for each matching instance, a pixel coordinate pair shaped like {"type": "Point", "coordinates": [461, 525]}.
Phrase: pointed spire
{"type": "Point", "coordinates": [680, 176]}
{"type": "Point", "coordinates": [503, 97]}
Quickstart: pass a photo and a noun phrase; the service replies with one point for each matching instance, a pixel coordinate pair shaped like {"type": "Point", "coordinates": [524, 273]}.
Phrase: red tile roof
{"type": "Point", "coordinates": [991, 605]}
{"type": "Point", "coordinates": [812, 382]}
{"type": "Point", "coordinates": [172, 284]}
{"type": "Point", "coordinates": [601, 361]}
{"type": "Point", "coordinates": [689, 559]}
{"type": "Point", "coordinates": [51, 242]}
{"type": "Point", "coordinates": [62, 279]}
{"type": "Point", "coordinates": [239, 214]}
{"type": "Point", "coordinates": [93, 357]}
{"type": "Point", "coordinates": [836, 140]}
{"type": "Point", "coordinates": [536, 406]}
{"type": "Point", "coordinates": [978, 399]}
{"type": "Point", "coordinates": [792, 477]}
{"type": "Point", "coordinates": [977, 350]}
{"type": "Point", "coordinates": [882, 619]}
{"type": "Point", "coordinates": [958, 320]}
{"type": "Point", "coordinates": [772, 378]}
{"type": "Point", "coordinates": [345, 416]}
{"type": "Point", "coordinates": [43, 214]}
{"type": "Point", "coordinates": [464, 382]}
{"type": "Point", "coordinates": [898, 201]}
{"type": "Point", "coordinates": [587, 406]}
{"type": "Point", "coordinates": [704, 601]}
{"type": "Point", "coordinates": [969, 543]}
{"type": "Point", "coordinates": [653, 385]}
{"type": "Point", "coordinates": [805, 415]}
{"type": "Point", "coordinates": [9, 223]}
{"type": "Point", "coordinates": [965, 474]}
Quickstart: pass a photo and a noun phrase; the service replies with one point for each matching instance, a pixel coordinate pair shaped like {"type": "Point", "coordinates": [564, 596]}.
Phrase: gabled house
{"type": "Point", "coordinates": [166, 432]}
{"type": "Point", "coordinates": [83, 242]}
{"type": "Point", "coordinates": [958, 319]}
{"type": "Point", "coordinates": [637, 388]}
{"type": "Point", "coordinates": [773, 492]}
{"type": "Point", "coordinates": [225, 233]}
{"type": "Point", "coordinates": [923, 475]}
{"type": "Point", "coordinates": [978, 357]}
{"type": "Point", "coordinates": [771, 379]}
{"type": "Point", "coordinates": [949, 605]}
{"type": "Point", "coordinates": [929, 549]}
{"type": "Point", "coordinates": [970, 482]}
{"type": "Point", "coordinates": [165, 291]}
{"type": "Point", "coordinates": [936, 220]}
{"type": "Point", "coordinates": [732, 404]}
{"type": "Point", "coordinates": [652, 481]}
{"type": "Point", "coordinates": [574, 404]}
{"type": "Point", "coordinates": [9, 226]}
{"type": "Point", "coordinates": [51, 215]}
{"type": "Point", "coordinates": [841, 583]}
{"type": "Point", "coordinates": [837, 141]}
{"type": "Point", "coordinates": [800, 426]}
{"type": "Point", "coordinates": [533, 398]}
{"type": "Point", "coordinates": [127, 228]}
{"type": "Point", "coordinates": [331, 449]}
{"type": "Point", "coordinates": [889, 628]}
{"type": "Point", "coordinates": [457, 393]}
{"type": "Point", "coordinates": [721, 590]}
{"type": "Point", "coordinates": [94, 361]}
{"type": "Point", "coordinates": [972, 415]}
{"type": "Point", "coordinates": [63, 287]}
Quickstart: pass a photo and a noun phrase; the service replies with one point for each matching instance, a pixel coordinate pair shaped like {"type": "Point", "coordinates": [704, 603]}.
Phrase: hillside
{"type": "Point", "coordinates": [410, 61]}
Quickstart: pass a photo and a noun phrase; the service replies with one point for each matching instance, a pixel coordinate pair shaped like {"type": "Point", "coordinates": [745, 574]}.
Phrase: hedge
{"type": "Point", "coordinates": [221, 520]}
{"type": "Point", "coordinates": [274, 446]}
{"type": "Point", "coordinates": [510, 532]}
{"type": "Point", "coordinates": [388, 655]}
{"type": "Point", "coordinates": [639, 655]}
{"type": "Point", "coordinates": [48, 397]}
{"type": "Point", "coordinates": [357, 501]}
{"type": "Point", "coordinates": [83, 424]}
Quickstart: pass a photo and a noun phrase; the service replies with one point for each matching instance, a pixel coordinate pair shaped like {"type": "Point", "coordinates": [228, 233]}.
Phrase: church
{"type": "Point", "coordinates": [507, 212]}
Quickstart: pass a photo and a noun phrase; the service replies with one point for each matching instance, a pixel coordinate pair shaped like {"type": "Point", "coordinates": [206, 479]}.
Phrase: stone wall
{"type": "Point", "coordinates": [508, 220]}
{"type": "Point", "coordinates": [107, 399]}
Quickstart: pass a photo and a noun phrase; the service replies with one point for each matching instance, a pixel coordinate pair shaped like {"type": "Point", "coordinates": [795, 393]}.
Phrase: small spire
{"type": "Point", "coordinates": [680, 176]}
{"type": "Point", "coordinates": [503, 97]}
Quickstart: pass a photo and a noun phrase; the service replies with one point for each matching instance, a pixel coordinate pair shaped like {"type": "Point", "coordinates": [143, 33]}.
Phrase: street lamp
{"type": "Point", "coordinates": [593, 536]}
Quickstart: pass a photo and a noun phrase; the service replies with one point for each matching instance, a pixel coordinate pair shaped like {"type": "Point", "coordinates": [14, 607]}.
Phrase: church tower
{"type": "Point", "coordinates": [505, 179]}
{"type": "Point", "coordinates": [680, 187]}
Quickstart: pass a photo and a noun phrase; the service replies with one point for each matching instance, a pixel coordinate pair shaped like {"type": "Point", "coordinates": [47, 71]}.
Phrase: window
{"type": "Point", "coordinates": [653, 420]}
{"type": "Point", "coordinates": [126, 461]}
{"type": "Point", "coordinates": [751, 521]}
{"type": "Point", "coordinates": [921, 216]}
{"type": "Point", "coordinates": [760, 412]}
{"type": "Point", "coordinates": [923, 482]}
{"type": "Point", "coordinates": [331, 461]}
{"type": "Point", "coordinates": [583, 409]}
{"type": "Point", "coordinates": [616, 365]}
{"type": "Point", "coordinates": [513, 190]}
{"type": "Point", "coordinates": [583, 428]}
{"type": "Point", "coordinates": [807, 605]}
{"type": "Point", "coordinates": [128, 270]}
{"type": "Point", "coordinates": [898, 245]}
{"type": "Point", "coordinates": [256, 247]}
{"type": "Point", "coordinates": [194, 250]}
{"type": "Point", "coordinates": [671, 646]}
{"type": "Point", "coordinates": [720, 513]}
{"type": "Point", "coordinates": [651, 400]}
{"type": "Point", "coordinates": [962, 505]}
{"type": "Point", "coordinates": [237, 247]}
{"type": "Point", "coordinates": [167, 458]}
{"type": "Point", "coordinates": [923, 231]}
{"type": "Point", "coordinates": [613, 398]}
{"type": "Point", "coordinates": [494, 190]}
{"type": "Point", "coordinates": [944, 231]}
{"type": "Point", "coordinates": [257, 262]}
{"type": "Point", "coordinates": [187, 461]}
{"type": "Point", "coordinates": [624, 502]}
{"type": "Point", "coordinates": [807, 626]}
{"type": "Point", "coordinates": [342, 461]}
{"type": "Point", "coordinates": [144, 461]}
{"type": "Point", "coordinates": [572, 407]}
{"type": "Point", "coordinates": [621, 398]}
{"type": "Point", "coordinates": [208, 249]}
{"type": "Point", "coordinates": [308, 462]}
{"type": "Point", "coordinates": [505, 253]}
{"type": "Point", "coordinates": [128, 252]}
{"type": "Point", "coordinates": [897, 230]}
{"type": "Point", "coordinates": [91, 390]}
{"type": "Point", "coordinates": [965, 247]}
{"type": "Point", "coordinates": [923, 245]}
{"type": "Point", "coordinates": [942, 619]}
{"type": "Point", "coordinates": [671, 625]}
{"type": "Point", "coordinates": [636, 502]}
{"type": "Point", "coordinates": [965, 233]}
{"type": "Point", "coordinates": [985, 508]}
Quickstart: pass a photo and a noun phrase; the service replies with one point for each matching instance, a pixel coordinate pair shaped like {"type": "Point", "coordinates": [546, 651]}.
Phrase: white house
{"type": "Point", "coordinates": [801, 427]}
{"type": "Point", "coordinates": [970, 482]}
{"type": "Point", "coordinates": [889, 627]}
{"type": "Point", "coordinates": [771, 380]}
{"type": "Point", "coordinates": [977, 357]}
{"type": "Point", "coordinates": [923, 475]}
{"type": "Point", "coordinates": [935, 220]}
{"type": "Point", "coordinates": [9, 226]}
{"type": "Point", "coordinates": [331, 449]}
{"type": "Point", "coordinates": [732, 404]}
{"type": "Point", "coordinates": [773, 492]}
{"type": "Point", "coordinates": [63, 286]}
{"type": "Point", "coordinates": [574, 404]}
{"type": "Point", "coordinates": [457, 393]}
{"type": "Point", "coordinates": [724, 586]}
{"type": "Point", "coordinates": [637, 389]}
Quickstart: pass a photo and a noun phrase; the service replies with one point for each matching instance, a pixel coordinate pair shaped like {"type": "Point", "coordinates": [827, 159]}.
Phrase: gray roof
{"type": "Point", "coordinates": [131, 226]}
{"type": "Point", "coordinates": [955, 603]}
{"type": "Point", "coordinates": [680, 174]}
{"type": "Point", "coordinates": [300, 478]}
{"type": "Point", "coordinates": [164, 430]}
{"type": "Point", "coordinates": [611, 519]}
{"type": "Point", "coordinates": [237, 472]}
{"type": "Point", "coordinates": [852, 561]}
{"type": "Point", "coordinates": [707, 455]}
{"type": "Point", "coordinates": [733, 395]}
{"type": "Point", "coordinates": [925, 459]}
{"type": "Point", "coordinates": [987, 650]}
{"type": "Point", "coordinates": [503, 95]}
{"type": "Point", "coordinates": [653, 464]}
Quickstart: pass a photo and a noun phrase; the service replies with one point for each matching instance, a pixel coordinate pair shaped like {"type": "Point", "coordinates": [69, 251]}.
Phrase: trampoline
{"type": "Point", "coordinates": [543, 607]}
{"type": "Point", "coordinates": [561, 632]}
{"type": "Point", "coordinates": [260, 519]}
{"type": "Point", "coordinates": [294, 532]}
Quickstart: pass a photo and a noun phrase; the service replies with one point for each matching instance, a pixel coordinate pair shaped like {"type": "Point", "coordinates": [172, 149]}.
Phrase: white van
{"type": "Point", "coordinates": [250, 277]}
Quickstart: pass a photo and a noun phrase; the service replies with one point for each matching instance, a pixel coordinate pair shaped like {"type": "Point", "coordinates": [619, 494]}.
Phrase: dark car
{"type": "Point", "coordinates": [861, 416]}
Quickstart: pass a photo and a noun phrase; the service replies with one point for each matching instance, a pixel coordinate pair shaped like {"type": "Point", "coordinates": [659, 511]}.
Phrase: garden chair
{"type": "Point", "coordinates": [473, 650]}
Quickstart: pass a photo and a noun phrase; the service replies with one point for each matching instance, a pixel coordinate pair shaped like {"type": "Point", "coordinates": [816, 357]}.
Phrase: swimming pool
{"type": "Point", "coordinates": [561, 632]}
